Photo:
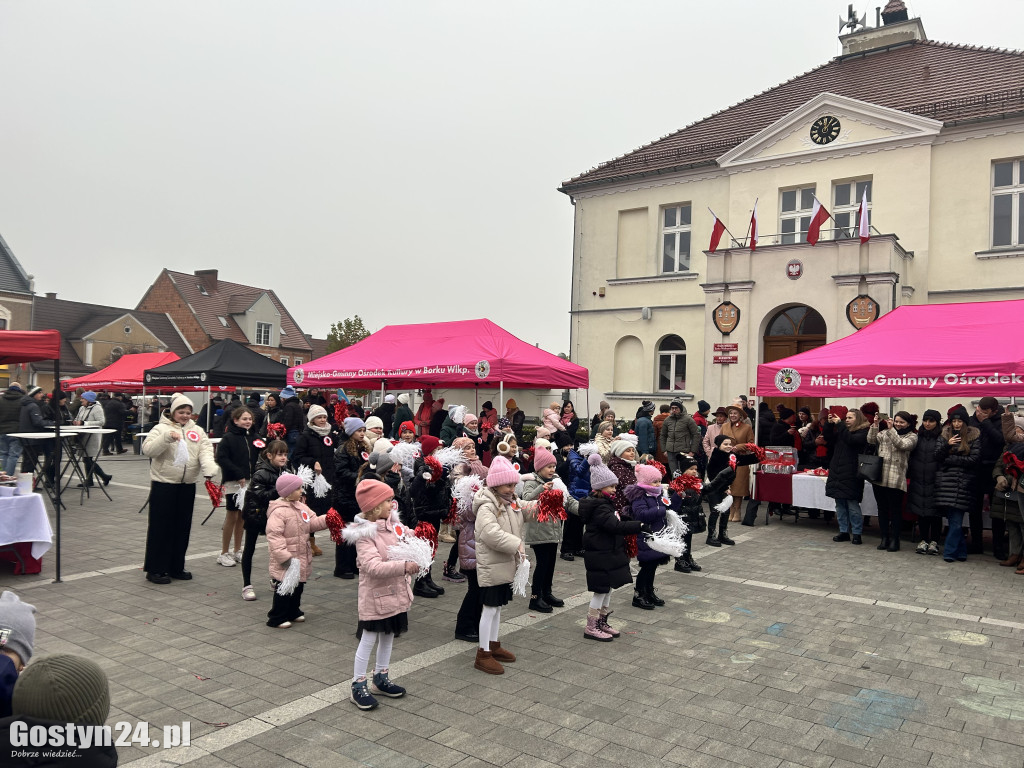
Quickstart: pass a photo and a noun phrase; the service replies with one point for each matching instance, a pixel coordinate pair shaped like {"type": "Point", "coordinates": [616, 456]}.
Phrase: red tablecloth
{"type": "Point", "coordinates": [774, 488]}
{"type": "Point", "coordinates": [21, 555]}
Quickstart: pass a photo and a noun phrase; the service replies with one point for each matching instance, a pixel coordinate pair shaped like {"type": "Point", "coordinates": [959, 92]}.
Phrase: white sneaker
{"type": "Point", "coordinates": [933, 548]}
{"type": "Point", "coordinates": [238, 556]}
{"type": "Point", "coordinates": [226, 560]}
{"type": "Point", "coordinates": [299, 619]}
{"type": "Point", "coordinates": [248, 593]}
{"type": "Point", "coordinates": [283, 625]}
{"type": "Point", "coordinates": [922, 548]}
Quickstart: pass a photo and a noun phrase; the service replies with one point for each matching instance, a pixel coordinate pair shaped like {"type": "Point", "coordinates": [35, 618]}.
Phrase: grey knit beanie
{"type": "Point", "coordinates": [17, 626]}
{"type": "Point", "coordinates": [63, 688]}
{"type": "Point", "coordinates": [381, 462]}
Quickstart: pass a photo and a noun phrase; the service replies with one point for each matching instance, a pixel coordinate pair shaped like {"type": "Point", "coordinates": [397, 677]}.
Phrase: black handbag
{"type": "Point", "coordinates": [698, 522]}
{"type": "Point", "coordinates": [869, 467]}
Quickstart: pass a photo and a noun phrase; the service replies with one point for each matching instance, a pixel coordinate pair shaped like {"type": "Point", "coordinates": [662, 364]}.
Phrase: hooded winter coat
{"type": "Point", "coordinates": [449, 431]}
{"type": "Point", "coordinates": [579, 485]}
{"type": "Point", "coordinates": [646, 443]}
{"type": "Point", "coordinates": [31, 418]}
{"type": "Point", "coordinates": [289, 524]}
{"type": "Point", "coordinates": [10, 410]}
{"type": "Point", "coordinates": [843, 482]}
{"type": "Point", "coordinates": [923, 470]}
{"type": "Point", "coordinates": [894, 448]}
{"type": "Point", "coordinates": [552, 421]}
{"type": "Point", "coordinates": [162, 448]}
{"type": "Point", "coordinates": [292, 415]}
{"type": "Point", "coordinates": [956, 475]}
{"type": "Point", "coordinates": [386, 413]}
{"type": "Point", "coordinates": [236, 455]}
{"type": "Point", "coordinates": [499, 534]}
{"type": "Point", "coordinates": [91, 415]}
{"type": "Point", "coordinates": [534, 531]}
{"type": "Point", "coordinates": [467, 539]}
{"type": "Point", "coordinates": [680, 434]}
{"type": "Point", "coordinates": [260, 491]}
{"type": "Point", "coordinates": [384, 586]}
{"type": "Point", "coordinates": [604, 543]}
{"type": "Point", "coordinates": [402, 414]}
{"type": "Point", "coordinates": [646, 506]}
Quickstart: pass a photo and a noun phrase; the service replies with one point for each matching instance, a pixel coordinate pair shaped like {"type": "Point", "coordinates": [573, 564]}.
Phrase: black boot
{"type": "Point", "coordinates": [653, 597]}
{"type": "Point", "coordinates": [640, 601]}
{"type": "Point", "coordinates": [723, 526]}
{"type": "Point", "coordinates": [430, 583]}
{"type": "Point", "coordinates": [682, 566]}
{"type": "Point", "coordinates": [712, 531]}
{"type": "Point", "coordinates": [538, 604]}
{"type": "Point", "coordinates": [883, 544]}
{"type": "Point", "coordinates": [422, 589]}
{"type": "Point", "coordinates": [894, 545]}
{"type": "Point", "coordinates": [692, 563]}
{"type": "Point", "coordinates": [555, 602]}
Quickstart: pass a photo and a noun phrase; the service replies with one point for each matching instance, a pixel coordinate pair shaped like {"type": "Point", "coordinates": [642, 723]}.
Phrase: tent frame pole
{"type": "Point", "coordinates": [209, 407]}
{"type": "Point", "coordinates": [501, 393]}
{"type": "Point", "coordinates": [58, 417]}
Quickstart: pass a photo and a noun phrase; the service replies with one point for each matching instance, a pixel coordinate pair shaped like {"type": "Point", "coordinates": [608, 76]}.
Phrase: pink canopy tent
{"type": "Point", "coordinates": [464, 353]}
{"type": "Point", "coordinates": [927, 350]}
{"type": "Point", "coordinates": [124, 374]}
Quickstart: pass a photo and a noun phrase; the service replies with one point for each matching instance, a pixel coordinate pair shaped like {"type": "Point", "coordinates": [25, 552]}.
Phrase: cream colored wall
{"type": "Point", "coordinates": [263, 311]}
{"type": "Point", "coordinates": [935, 199]}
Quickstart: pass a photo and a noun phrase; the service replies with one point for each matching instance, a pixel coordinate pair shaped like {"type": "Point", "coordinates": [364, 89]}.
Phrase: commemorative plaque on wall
{"type": "Point", "coordinates": [862, 311]}
{"type": "Point", "coordinates": [726, 317]}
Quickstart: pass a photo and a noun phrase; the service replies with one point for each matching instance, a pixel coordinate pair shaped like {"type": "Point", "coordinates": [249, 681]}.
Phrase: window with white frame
{"type": "Point", "coordinates": [675, 238]}
{"type": "Point", "coordinates": [298, 361]}
{"type": "Point", "coordinates": [284, 360]}
{"type": "Point", "coordinates": [846, 197]}
{"type": "Point", "coordinates": [263, 333]}
{"type": "Point", "coordinates": [672, 364]}
{"type": "Point", "coordinates": [795, 213]}
{"type": "Point", "coordinates": [1008, 203]}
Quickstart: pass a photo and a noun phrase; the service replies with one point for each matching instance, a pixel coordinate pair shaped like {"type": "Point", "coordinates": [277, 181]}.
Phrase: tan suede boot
{"type": "Point", "coordinates": [501, 654]}
{"type": "Point", "coordinates": [485, 662]}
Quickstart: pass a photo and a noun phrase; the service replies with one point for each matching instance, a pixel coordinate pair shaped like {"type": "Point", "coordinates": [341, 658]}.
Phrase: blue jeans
{"type": "Point", "coordinates": [10, 452]}
{"type": "Point", "coordinates": [849, 516]}
{"type": "Point", "coordinates": [291, 439]}
{"type": "Point", "coordinates": [956, 547]}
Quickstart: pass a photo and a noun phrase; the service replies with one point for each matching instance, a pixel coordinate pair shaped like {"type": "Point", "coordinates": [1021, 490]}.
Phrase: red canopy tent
{"type": "Point", "coordinates": [921, 350]}
{"type": "Point", "coordinates": [28, 347]}
{"type": "Point", "coordinates": [124, 374]}
{"type": "Point", "coordinates": [464, 353]}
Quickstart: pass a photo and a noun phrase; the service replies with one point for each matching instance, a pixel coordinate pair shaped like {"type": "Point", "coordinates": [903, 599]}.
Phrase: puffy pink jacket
{"type": "Point", "coordinates": [552, 421]}
{"type": "Point", "coordinates": [288, 536]}
{"type": "Point", "coordinates": [384, 587]}
{"type": "Point", "coordinates": [467, 540]}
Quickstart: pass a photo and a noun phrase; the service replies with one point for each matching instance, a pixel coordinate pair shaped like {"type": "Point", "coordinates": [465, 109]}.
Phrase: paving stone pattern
{"type": "Point", "coordinates": [787, 650]}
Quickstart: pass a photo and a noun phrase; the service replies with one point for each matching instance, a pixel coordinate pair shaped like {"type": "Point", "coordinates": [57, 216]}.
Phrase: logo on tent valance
{"type": "Point", "coordinates": [483, 369]}
{"type": "Point", "coordinates": [787, 380]}
{"type": "Point", "coordinates": [298, 375]}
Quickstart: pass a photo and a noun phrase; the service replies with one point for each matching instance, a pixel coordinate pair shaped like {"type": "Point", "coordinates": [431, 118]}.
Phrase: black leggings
{"type": "Point", "coordinates": [544, 572]}
{"type": "Point", "coordinates": [251, 535]}
{"type": "Point", "coordinates": [890, 511]}
{"type": "Point", "coordinates": [453, 555]}
{"type": "Point", "coordinates": [930, 528]}
{"type": "Point", "coordinates": [468, 620]}
{"type": "Point", "coordinates": [645, 578]}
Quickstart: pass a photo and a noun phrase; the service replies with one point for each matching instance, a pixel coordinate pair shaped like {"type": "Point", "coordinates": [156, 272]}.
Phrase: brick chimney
{"type": "Point", "coordinates": [207, 279]}
{"type": "Point", "coordinates": [51, 295]}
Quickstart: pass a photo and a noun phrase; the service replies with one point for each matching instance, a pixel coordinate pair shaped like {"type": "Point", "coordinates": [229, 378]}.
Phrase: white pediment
{"type": "Point", "coordinates": [860, 124]}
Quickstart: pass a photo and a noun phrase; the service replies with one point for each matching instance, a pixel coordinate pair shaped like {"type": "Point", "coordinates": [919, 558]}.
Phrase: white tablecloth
{"type": "Point", "coordinates": [809, 492]}
{"type": "Point", "coordinates": [23, 519]}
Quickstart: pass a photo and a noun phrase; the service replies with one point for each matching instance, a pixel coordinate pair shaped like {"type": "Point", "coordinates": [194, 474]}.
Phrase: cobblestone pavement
{"type": "Point", "coordinates": [787, 650]}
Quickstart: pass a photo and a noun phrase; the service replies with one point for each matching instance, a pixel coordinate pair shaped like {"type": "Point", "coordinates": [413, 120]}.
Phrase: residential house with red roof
{"type": "Point", "coordinates": [208, 309]}
{"type": "Point", "coordinates": [925, 138]}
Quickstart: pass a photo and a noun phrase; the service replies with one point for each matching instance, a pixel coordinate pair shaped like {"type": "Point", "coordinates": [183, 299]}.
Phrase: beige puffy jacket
{"type": "Point", "coordinates": [161, 447]}
{"type": "Point", "coordinates": [499, 534]}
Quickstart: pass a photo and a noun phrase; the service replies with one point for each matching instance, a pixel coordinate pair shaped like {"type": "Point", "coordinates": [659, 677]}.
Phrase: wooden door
{"type": "Point", "coordinates": [778, 347]}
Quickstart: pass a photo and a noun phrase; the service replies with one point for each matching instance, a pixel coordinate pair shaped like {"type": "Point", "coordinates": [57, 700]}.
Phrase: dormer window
{"type": "Point", "coordinates": [223, 321]}
{"type": "Point", "coordinates": [263, 334]}
{"type": "Point", "coordinates": [202, 289]}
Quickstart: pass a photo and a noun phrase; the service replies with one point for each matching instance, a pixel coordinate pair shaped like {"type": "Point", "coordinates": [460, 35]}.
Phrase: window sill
{"type": "Point", "coordinates": [1001, 253]}
{"type": "Point", "coordinates": [667, 277]}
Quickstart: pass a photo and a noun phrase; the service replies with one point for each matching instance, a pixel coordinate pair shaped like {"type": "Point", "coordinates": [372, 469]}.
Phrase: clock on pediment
{"type": "Point", "coordinates": [825, 129]}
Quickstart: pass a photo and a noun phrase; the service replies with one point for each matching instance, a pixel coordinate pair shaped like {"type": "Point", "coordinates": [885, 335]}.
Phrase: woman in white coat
{"type": "Point", "coordinates": [91, 415]}
{"type": "Point", "coordinates": [180, 453]}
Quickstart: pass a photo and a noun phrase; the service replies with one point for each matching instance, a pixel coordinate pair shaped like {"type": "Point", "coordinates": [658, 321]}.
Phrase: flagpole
{"type": "Point", "coordinates": [731, 235]}
{"type": "Point", "coordinates": [747, 233]}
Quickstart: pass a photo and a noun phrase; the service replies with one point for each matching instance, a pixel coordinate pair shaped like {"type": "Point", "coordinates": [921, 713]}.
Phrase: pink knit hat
{"type": "Point", "coordinates": [543, 432]}
{"type": "Point", "coordinates": [544, 458]}
{"type": "Point", "coordinates": [647, 475]}
{"type": "Point", "coordinates": [370, 493]}
{"type": "Point", "coordinates": [501, 472]}
{"type": "Point", "coordinates": [287, 484]}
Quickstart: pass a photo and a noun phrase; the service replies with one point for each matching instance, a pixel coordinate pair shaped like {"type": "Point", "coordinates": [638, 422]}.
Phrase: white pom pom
{"type": "Point", "coordinates": [320, 486]}
{"type": "Point", "coordinates": [405, 455]}
{"type": "Point", "coordinates": [558, 485]}
{"type": "Point", "coordinates": [586, 449]}
{"type": "Point", "coordinates": [521, 581]}
{"type": "Point", "coordinates": [463, 491]}
{"type": "Point", "coordinates": [448, 457]}
{"type": "Point", "coordinates": [675, 523]}
{"type": "Point", "coordinates": [291, 578]}
{"type": "Point", "coordinates": [181, 454]}
{"type": "Point", "coordinates": [666, 542]}
{"type": "Point", "coordinates": [459, 414]}
{"type": "Point", "coordinates": [305, 474]}
{"type": "Point", "coordinates": [240, 497]}
{"type": "Point", "coordinates": [725, 505]}
{"type": "Point", "coordinates": [412, 549]}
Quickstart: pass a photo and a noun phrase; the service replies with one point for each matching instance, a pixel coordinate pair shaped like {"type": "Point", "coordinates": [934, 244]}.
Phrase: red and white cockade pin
{"type": "Point", "coordinates": [192, 435]}
{"type": "Point", "coordinates": [516, 466]}
{"type": "Point", "coordinates": [327, 441]}
{"type": "Point", "coordinates": [399, 530]}
{"type": "Point", "coordinates": [365, 455]}
{"type": "Point", "coordinates": [305, 516]}
{"type": "Point", "coordinates": [665, 501]}
{"type": "Point", "coordinates": [259, 443]}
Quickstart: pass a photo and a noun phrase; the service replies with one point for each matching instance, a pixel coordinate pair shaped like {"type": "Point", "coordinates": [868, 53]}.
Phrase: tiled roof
{"type": "Point", "coordinates": [319, 347]}
{"type": "Point", "coordinates": [12, 275]}
{"type": "Point", "coordinates": [942, 81]}
{"type": "Point", "coordinates": [228, 298]}
{"type": "Point", "coordinates": [75, 320]}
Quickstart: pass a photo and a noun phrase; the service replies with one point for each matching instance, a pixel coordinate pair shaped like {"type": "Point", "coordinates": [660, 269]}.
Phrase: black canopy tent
{"type": "Point", "coordinates": [225, 364]}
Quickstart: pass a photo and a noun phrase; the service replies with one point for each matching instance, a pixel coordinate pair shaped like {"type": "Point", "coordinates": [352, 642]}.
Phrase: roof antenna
{"type": "Point", "coordinates": [851, 21]}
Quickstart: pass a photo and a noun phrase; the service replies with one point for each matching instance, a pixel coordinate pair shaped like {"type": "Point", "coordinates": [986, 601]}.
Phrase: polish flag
{"type": "Point", "coordinates": [863, 228]}
{"type": "Point", "coordinates": [753, 228]}
{"type": "Point", "coordinates": [818, 217]}
{"type": "Point", "coordinates": [716, 233]}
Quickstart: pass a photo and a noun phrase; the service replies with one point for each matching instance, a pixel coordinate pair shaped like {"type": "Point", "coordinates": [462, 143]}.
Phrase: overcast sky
{"type": "Point", "coordinates": [396, 160]}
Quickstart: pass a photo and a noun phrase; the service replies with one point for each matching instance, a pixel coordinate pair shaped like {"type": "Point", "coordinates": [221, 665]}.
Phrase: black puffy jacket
{"type": "Point", "coordinates": [923, 471]}
{"type": "Point", "coordinates": [236, 455]}
{"type": "Point", "coordinates": [432, 500]}
{"type": "Point", "coordinates": [292, 415]}
{"type": "Point", "coordinates": [346, 476]}
{"type": "Point", "coordinates": [259, 492]}
{"type": "Point", "coordinates": [956, 475]}
{"type": "Point", "coordinates": [604, 543]}
{"type": "Point", "coordinates": [843, 482]}
{"type": "Point", "coordinates": [311, 448]}
{"type": "Point", "coordinates": [991, 433]}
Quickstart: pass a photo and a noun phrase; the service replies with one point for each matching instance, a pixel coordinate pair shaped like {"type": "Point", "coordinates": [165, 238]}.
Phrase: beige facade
{"type": "Point", "coordinates": [932, 208]}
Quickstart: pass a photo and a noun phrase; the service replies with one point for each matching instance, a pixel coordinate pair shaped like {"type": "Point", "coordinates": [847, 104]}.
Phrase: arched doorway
{"type": "Point", "coordinates": [789, 332]}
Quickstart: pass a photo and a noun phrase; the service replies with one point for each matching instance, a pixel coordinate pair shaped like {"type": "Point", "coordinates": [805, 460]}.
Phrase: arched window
{"type": "Point", "coordinates": [796, 321]}
{"type": "Point", "coordinates": [672, 364]}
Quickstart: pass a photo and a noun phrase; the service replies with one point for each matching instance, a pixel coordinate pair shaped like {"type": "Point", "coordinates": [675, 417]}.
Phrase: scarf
{"type": "Point", "coordinates": [566, 419]}
{"type": "Point", "coordinates": [322, 431]}
{"type": "Point", "coordinates": [650, 490]}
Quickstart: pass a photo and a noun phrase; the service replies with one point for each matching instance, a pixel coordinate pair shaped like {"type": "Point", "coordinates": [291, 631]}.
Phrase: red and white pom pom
{"type": "Point", "coordinates": [732, 460]}
{"type": "Point", "coordinates": [448, 457]}
{"type": "Point", "coordinates": [630, 542]}
{"type": "Point", "coordinates": [276, 431]}
{"type": "Point", "coordinates": [551, 506]}
{"type": "Point", "coordinates": [658, 466]}
{"type": "Point", "coordinates": [435, 467]}
{"type": "Point", "coordinates": [676, 524]}
{"type": "Point", "coordinates": [428, 533]}
{"type": "Point", "coordinates": [335, 524]}
{"type": "Point", "coordinates": [215, 491]}
{"type": "Point", "coordinates": [665, 541]}
{"type": "Point", "coordinates": [340, 412]}
{"type": "Point", "coordinates": [240, 497]}
{"type": "Point", "coordinates": [683, 483]}
{"type": "Point", "coordinates": [586, 449]}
